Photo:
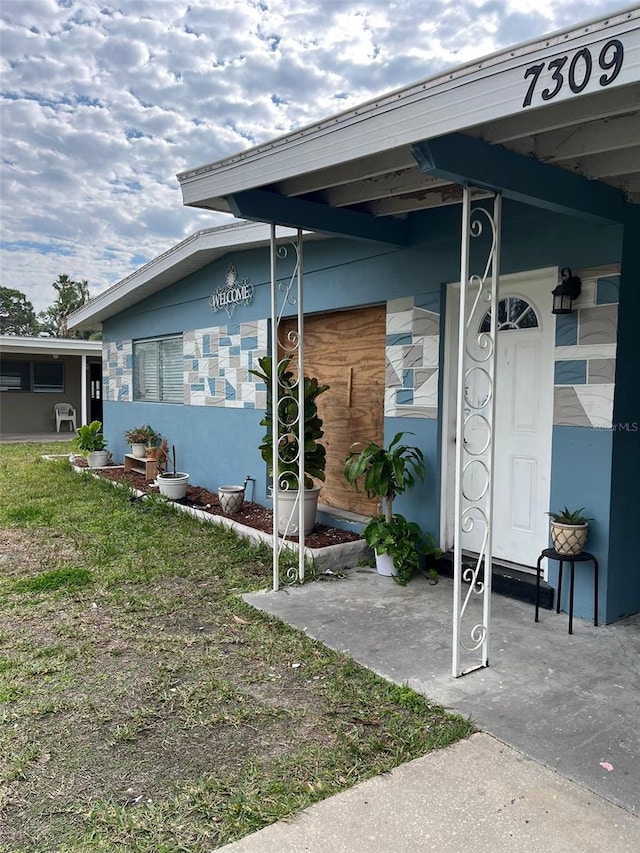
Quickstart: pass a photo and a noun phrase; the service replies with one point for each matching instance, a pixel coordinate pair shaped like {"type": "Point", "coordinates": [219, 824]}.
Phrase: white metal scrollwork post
{"type": "Point", "coordinates": [284, 402]}
{"type": "Point", "coordinates": [475, 436]}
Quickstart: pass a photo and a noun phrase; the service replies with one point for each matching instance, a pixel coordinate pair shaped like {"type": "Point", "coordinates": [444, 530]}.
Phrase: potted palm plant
{"type": "Point", "coordinates": [173, 484]}
{"type": "Point", "coordinates": [569, 529]}
{"type": "Point", "coordinates": [314, 453]}
{"type": "Point", "coordinates": [91, 442]}
{"type": "Point", "coordinates": [386, 473]}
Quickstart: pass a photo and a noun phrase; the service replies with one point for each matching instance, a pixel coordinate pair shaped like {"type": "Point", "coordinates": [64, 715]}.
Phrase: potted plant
{"type": "Point", "coordinates": [173, 484]}
{"type": "Point", "coordinates": [231, 499]}
{"type": "Point", "coordinates": [161, 454]}
{"type": "Point", "coordinates": [152, 450]}
{"type": "Point", "coordinates": [399, 546]}
{"type": "Point", "coordinates": [385, 474]}
{"type": "Point", "coordinates": [158, 453]}
{"type": "Point", "coordinates": [91, 442]}
{"type": "Point", "coordinates": [315, 455]}
{"type": "Point", "coordinates": [139, 438]}
{"type": "Point", "coordinates": [569, 529]}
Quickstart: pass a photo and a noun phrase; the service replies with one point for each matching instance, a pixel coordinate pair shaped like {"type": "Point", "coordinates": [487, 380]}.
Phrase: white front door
{"type": "Point", "coordinates": [524, 417]}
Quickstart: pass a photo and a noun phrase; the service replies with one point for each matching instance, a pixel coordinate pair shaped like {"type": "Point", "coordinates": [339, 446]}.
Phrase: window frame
{"type": "Point", "coordinates": [160, 385]}
{"type": "Point", "coordinates": [42, 387]}
{"type": "Point", "coordinates": [8, 368]}
{"type": "Point", "coordinates": [509, 324]}
{"type": "Point", "coordinates": [28, 374]}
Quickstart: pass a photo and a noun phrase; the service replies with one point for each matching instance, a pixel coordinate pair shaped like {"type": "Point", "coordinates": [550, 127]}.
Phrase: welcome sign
{"type": "Point", "coordinates": [232, 293]}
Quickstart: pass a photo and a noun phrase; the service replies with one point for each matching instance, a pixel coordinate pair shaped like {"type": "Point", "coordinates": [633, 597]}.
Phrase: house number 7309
{"type": "Point", "coordinates": [578, 72]}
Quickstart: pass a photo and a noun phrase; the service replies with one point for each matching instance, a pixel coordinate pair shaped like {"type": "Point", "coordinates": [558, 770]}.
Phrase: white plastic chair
{"type": "Point", "coordinates": [65, 412]}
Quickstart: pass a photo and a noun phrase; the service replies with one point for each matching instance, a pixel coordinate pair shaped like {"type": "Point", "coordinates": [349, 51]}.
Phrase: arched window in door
{"type": "Point", "coordinates": [513, 313]}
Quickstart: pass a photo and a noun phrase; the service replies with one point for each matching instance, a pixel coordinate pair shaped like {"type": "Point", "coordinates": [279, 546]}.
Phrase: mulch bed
{"type": "Point", "coordinates": [251, 515]}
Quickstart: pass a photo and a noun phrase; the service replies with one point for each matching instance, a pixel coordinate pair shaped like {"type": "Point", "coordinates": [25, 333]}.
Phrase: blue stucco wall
{"type": "Point", "coordinates": [422, 503]}
{"type": "Point", "coordinates": [219, 445]}
{"type": "Point", "coordinates": [216, 446]}
{"type": "Point", "coordinates": [185, 305]}
{"type": "Point", "coordinates": [580, 476]}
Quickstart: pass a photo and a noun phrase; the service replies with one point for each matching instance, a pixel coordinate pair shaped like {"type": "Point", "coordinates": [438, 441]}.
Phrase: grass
{"type": "Point", "coordinates": [144, 708]}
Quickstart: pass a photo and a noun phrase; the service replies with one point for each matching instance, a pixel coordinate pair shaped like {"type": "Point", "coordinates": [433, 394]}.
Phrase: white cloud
{"type": "Point", "coordinates": [102, 104]}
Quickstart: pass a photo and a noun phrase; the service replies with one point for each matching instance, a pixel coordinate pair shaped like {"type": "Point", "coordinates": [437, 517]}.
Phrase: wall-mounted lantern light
{"type": "Point", "coordinates": [564, 294]}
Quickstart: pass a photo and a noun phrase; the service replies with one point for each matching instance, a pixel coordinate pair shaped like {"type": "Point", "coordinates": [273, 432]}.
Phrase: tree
{"type": "Point", "coordinates": [17, 316]}
{"type": "Point", "coordinates": [71, 296]}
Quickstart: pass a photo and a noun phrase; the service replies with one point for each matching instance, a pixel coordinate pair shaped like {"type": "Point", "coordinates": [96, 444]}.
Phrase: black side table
{"type": "Point", "coordinates": [582, 557]}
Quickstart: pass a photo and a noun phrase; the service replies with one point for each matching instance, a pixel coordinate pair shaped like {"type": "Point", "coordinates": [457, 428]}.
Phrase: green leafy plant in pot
{"type": "Point", "coordinates": [386, 473]}
{"type": "Point", "coordinates": [569, 530]}
{"type": "Point", "coordinates": [314, 453]}
{"type": "Point", "coordinates": [140, 438]}
{"type": "Point", "coordinates": [91, 442]}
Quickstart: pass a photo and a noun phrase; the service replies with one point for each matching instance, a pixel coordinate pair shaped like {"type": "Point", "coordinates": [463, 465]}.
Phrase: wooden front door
{"type": "Point", "coordinates": [346, 350]}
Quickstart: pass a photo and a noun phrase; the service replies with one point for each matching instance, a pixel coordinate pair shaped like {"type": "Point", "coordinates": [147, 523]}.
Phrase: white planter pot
{"type": "Point", "coordinates": [173, 486]}
{"type": "Point", "coordinates": [384, 565]}
{"type": "Point", "coordinates": [568, 538]}
{"type": "Point", "coordinates": [97, 458]}
{"type": "Point", "coordinates": [139, 450]}
{"type": "Point", "coordinates": [231, 499]}
{"type": "Point", "coordinates": [288, 510]}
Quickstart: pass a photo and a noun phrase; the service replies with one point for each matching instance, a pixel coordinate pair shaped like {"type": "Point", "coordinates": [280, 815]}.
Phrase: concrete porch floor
{"type": "Point", "coordinates": [42, 437]}
{"type": "Point", "coordinates": [571, 703]}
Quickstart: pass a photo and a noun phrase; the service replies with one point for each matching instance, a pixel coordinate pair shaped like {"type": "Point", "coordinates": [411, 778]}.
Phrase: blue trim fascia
{"type": "Point", "coordinates": [472, 162]}
{"type": "Point", "coordinates": [623, 591]}
{"type": "Point", "coordinates": [264, 206]}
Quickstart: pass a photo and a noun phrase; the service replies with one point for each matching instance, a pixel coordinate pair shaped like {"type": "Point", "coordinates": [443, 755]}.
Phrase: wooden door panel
{"type": "Point", "coordinates": [346, 350]}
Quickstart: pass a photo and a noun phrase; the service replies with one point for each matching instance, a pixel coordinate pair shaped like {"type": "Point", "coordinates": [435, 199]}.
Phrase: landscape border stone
{"type": "Point", "coordinates": [332, 558]}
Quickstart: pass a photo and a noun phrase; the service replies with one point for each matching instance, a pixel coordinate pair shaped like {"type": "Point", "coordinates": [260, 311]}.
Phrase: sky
{"type": "Point", "coordinates": [102, 104]}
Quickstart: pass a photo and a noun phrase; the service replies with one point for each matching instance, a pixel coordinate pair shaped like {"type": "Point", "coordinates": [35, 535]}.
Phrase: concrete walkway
{"type": "Point", "coordinates": [557, 767]}
{"type": "Point", "coordinates": [476, 795]}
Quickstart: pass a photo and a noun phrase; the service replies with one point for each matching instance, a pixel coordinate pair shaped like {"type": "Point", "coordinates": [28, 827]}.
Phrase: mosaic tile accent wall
{"type": "Point", "coordinates": [585, 355]}
{"type": "Point", "coordinates": [217, 362]}
{"type": "Point", "coordinates": [117, 371]}
{"type": "Point", "coordinates": [412, 351]}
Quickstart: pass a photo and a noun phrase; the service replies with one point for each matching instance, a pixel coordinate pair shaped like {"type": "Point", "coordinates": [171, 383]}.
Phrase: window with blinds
{"type": "Point", "coordinates": [48, 376]}
{"type": "Point", "coordinates": [38, 376]}
{"type": "Point", "coordinates": [15, 375]}
{"type": "Point", "coordinates": [158, 371]}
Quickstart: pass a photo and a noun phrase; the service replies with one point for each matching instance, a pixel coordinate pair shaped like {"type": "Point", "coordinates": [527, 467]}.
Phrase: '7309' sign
{"type": "Point", "coordinates": [575, 71]}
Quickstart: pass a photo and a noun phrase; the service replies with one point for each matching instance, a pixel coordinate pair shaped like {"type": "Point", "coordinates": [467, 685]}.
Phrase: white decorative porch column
{"type": "Point", "coordinates": [83, 390]}
{"type": "Point", "coordinates": [290, 291]}
{"type": "Point", "coordinates": [475, 437]}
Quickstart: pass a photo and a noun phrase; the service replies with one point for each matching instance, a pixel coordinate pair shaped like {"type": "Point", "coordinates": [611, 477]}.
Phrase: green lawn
{"type": "Point", "coordinates": [144, 707]}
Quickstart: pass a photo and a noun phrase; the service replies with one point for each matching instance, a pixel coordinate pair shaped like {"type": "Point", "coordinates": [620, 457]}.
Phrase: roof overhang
{"type": "Point", "coordinates": [181, 260]}
{"type": "Point", "coordinates": [570, 102]}
{"type": "Point", "coordinates": [15, 344]}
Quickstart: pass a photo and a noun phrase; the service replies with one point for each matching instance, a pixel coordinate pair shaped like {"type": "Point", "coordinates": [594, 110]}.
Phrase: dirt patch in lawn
{"type": "Point", "coordinates": [144, 707]}
{"type": "Point", "coordinates": [21, 551]}
{"type": "Point", "coordinates": [105, 704]}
